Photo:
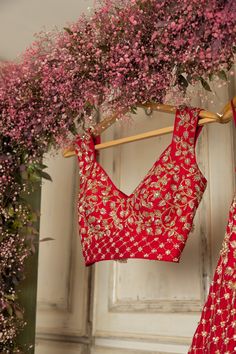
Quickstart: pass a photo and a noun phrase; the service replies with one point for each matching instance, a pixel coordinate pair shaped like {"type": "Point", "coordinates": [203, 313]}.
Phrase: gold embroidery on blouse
{"type": "Point", "coordinates": [179, 206]}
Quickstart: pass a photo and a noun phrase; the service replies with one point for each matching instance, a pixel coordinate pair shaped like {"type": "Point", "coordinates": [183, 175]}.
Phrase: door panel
{"type": "Point", "coordinates": [50, 347]}
{"type": "Point", "coordinates": [152, 305]}
{"type": "Point", "coordinates": [140, 306]}
{"type": "Point", "coordinates": [62, 310]}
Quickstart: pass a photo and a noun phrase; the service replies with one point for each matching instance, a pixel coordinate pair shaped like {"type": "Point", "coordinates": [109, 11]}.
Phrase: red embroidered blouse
{"type": "Point", "coordinates": [154, 221]}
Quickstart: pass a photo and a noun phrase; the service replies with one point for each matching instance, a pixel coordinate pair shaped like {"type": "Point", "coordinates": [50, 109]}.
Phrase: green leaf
{"type": "Point", "coordinates": [30, 167]}
{"type": "Point", "coordinates": [17, 224]}
{"type": "Point", "coordinates": [32, 217]}
{"type": "Point", "coordinates": [10, 296]}
{"type": "Point", "coordinates": [182, 81]}
{"type": "Point", "coordinates": [9, 309]}
{"type": "Point", "coordinates": [189, 78]}
{"type": "Point", "coordinates": [34, 177]}
{"type": "Point", "coordinates": [25, 156]}
{"type": "Point", "coordinates": [133, 109]}
{"type": "Point", "coordinates": [44, 175]}
{"type": "Point", "coordinates": [11, 210]}
{"type": "Point", "coordinates": [205, 84]}
{"type": "Point", "coordinates": [46, 239]}
{"type": "Point", "coordinates": [68, 30]}
{"type": "Point", "coordinates": [211, 77]}
{"type": "Point", "coordinates": [222, 75]}
{"type": "Point", "coordinates": [88, 105]}
{"type": "Point", "coordinates": [73, 129]}
{"type": "Point", "coordinates": [40, 166]}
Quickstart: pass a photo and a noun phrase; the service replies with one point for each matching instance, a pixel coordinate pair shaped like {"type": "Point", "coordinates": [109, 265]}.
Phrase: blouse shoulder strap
{"type": "Point", "coordinates": [85, 149]}
{"type": "Point", "coordinates": [186, 129]}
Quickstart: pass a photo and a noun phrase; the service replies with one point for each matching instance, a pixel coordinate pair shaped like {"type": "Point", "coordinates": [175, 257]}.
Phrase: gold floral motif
{"type": "Point", "coordinates": [221, 300]}
{"type": "Point", "coordinates": [164, 203]}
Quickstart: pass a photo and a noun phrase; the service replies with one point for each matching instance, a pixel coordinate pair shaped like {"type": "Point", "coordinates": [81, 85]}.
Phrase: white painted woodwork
{"type": "Point", "coordinates": [141, 306]}
{"type": "Point", "coordinates": [154, 306]}
{"type": "Point", "coordinates": [63, 279]}
{"type": "Point", "coordinates": [49, 347]}
{"type": "Point", "coordinates": [136, 347]}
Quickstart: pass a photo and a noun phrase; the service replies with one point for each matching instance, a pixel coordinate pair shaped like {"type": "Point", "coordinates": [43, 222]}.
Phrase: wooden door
{"type": "Point", "coordinates": [151, 306]}
{"type": "Point", "coordinates": [140, 306]}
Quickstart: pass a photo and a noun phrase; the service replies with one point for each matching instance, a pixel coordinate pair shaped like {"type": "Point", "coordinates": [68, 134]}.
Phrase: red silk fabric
{"type": "Point", "coordinates": [216, 332]}
{"type": "Point", "coordinates": [154, 221]}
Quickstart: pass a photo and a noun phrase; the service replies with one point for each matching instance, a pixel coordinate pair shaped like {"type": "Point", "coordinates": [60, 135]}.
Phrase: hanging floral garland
{"type": "Point", "coordinates": [123, 54]}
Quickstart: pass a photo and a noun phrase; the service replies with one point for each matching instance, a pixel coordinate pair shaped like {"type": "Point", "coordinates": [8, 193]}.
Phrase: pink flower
{"type": "Point", "coordinates": [133, 21]}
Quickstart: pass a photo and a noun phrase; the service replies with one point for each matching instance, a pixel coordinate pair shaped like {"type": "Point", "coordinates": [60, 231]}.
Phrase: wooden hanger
{"type": "Point", "coordinates": [206, 117]}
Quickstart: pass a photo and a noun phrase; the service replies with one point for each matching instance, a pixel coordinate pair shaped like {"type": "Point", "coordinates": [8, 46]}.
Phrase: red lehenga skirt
{"type": "Point", "coordinates": [216, 331]}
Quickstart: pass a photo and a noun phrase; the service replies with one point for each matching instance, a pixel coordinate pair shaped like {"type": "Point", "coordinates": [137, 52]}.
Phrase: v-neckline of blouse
{"type": "Point", "coordinates": [129, 196]}
{"type": "Point", "coordinates": [123, 194]}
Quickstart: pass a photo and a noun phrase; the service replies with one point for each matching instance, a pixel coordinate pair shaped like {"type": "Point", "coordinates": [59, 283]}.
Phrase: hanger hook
{"type": "Point", "coordinates": [221, 119]}
{"type": "Point", "coordinates": [148, 111]}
